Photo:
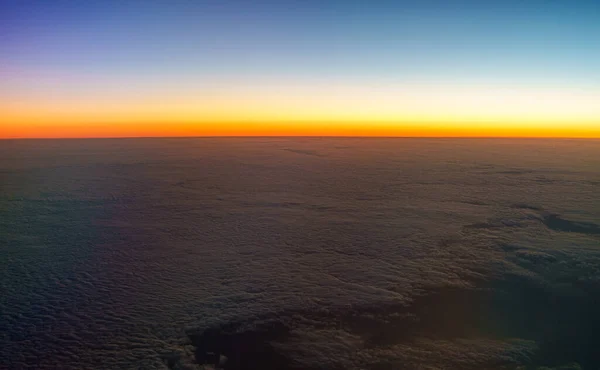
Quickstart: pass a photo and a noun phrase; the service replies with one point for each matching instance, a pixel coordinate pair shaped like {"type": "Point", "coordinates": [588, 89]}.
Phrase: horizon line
{"type": "Point", "coordinates": [300, 136]}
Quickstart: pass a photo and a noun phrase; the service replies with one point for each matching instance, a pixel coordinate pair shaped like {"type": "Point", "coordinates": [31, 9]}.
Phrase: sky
{"type": "Point", "coordinates": [373, 68]}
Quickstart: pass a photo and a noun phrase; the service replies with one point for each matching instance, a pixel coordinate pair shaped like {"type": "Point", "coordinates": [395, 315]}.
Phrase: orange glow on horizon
{"type": "Point", "coordinates": [298, 128]}
{"type": "Point", "coordinates": [306, 110]}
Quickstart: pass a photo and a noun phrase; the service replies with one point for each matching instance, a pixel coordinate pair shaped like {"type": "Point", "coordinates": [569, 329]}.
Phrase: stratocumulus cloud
{"type": "Point", "coordinates": [246, 254]}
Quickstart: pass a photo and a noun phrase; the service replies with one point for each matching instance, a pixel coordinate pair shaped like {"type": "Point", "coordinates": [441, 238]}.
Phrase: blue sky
{"type": "Point", "coordinates": [542, 41]}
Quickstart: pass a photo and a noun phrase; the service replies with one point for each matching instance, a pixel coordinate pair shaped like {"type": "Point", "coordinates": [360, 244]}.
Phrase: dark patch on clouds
{"type": "Point", "coordinates": [369, 337]}
{"type": "Point", "coordinates": [305, 152]}
{"type": "Point", "coordinates": [557, 330]}
{"type": "Point", "coordinates": [497, 224]}
{"type": "Point", "coordinates": [552, 221]}
{"type": "Point", "coordinates": [474, 202]}
{"type": "Point", "coordinates": [515, 172]}
{"type": "Point", "coordinates": [557, 223]}
{"type": "Point", "coordinates": [563, 322]}
{"type": "Point", "coordinates": [527, 206]}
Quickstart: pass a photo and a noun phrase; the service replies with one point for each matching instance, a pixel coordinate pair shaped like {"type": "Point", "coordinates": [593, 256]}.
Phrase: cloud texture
{"type": "Point", "coordinates": [300, 254]}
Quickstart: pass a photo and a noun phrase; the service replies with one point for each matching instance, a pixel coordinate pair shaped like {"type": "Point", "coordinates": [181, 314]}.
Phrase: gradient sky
{"type": "Point", "coordinates": [220, 67]}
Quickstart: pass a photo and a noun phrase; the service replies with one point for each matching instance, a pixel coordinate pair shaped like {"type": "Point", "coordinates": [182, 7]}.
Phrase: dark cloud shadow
{"type": "Point", "coordinates": [565, 326]}
{"type": "Point", "coordinates": [305, 152]}
{"type": "Point", "coordinates": [557, 223]}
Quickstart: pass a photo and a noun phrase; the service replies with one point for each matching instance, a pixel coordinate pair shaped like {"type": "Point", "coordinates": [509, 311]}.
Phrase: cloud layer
{"type": "Point", "coordinates": [300, 254]}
